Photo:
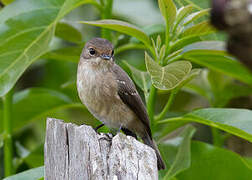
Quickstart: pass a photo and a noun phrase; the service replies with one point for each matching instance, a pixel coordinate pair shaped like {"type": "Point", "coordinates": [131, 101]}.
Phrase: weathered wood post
{"type": "Point", "coordinates": [78, 153]}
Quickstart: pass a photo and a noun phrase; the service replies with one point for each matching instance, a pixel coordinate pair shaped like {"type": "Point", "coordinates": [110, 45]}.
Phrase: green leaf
{"type": "Point", "coordinates": [189, 77]}
{"type": "Point", "coordinates": [27, 28]}
{"type": "Point", "coordinates": [31, 174]}
{"type": "Point", "coordinates": [200, 86]}
{"type": "Point", "coordinates": [233, 121]}
{"type": "Point", "coordinates": [122, 27]}
{"type": "Point", "coordinates": [199, 29]}
{"type": "Point", "coordinates": [208, 45]}
{"type": "Point", "coordinates": [180, 43]}
{"type": "Point", "coordinates": [141, 78]}
{"type": "Point", "coordinates": [182, 13]}
{"type": "Point", "coordinates": [67, 32]}
{"type": "Point", "coordinates": [71, 54]}
{"type": "Point", "coordinates": [194, 16]}
{"type": "Point", "coordinates": [224, 89]}
{"type": "Point", "coordinates": [154, 29]}
{"type": "Point", "coordinates": [6, 2]}
{"type": "Point", "coordinates": [220, 61]}
{"type": "Point", "coordinates": [169, 11]}
{"type": "Point", "coordinates": [211, 162]}
{"type": "Point", "coordinates": [169, 76]}
{"type": "Point", "coordinates": [32, 103]}
{"type": "Point", "coordinates": [150, 30]}
{"type": "Point", "coordinates": [177, 152]}
{"type": "Point", "coordinates": [36, 157]}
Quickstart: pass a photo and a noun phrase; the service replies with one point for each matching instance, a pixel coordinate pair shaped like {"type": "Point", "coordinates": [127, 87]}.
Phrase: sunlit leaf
{"type": "Point", "coordinates": [67, 32]}
{"type": "Point", "coordinates": [169, 11]}
{"type": "Point", "coordinates": [207, 159]}
{"type": "Point", "coordinates": [122, 27]}
{"type": "Point", "coordinates": [233, 121]}
{"type": "Point", "coordinates": [199, 29]}
{"type": "Point", "coordinates": [177, 152]}
{"type": "Point", "coordinates": [169, 76]}
{"type": "Point", "coordinates": [31, 174]}
{"type": "Point", "coordinates": [26, 29]}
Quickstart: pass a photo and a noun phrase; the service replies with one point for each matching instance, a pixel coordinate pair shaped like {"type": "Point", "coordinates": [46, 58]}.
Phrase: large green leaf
{"type": "Point", "coordinates": [31, 174]}
{"type": "Point", "coordinates": [122, 27]}
{"type": "Point", "coordinates": [68, 32]}
{"type": "Point", "coordinates": [71, 54]}
{"type": "Point", "coordinates": [26, 29]}
{"type": "Point", "coordinates": [233, 121]}
{"type": "Point", "coordinates": [169, 76]}
{"type": "Point", "coordinates": [169, 11]}
{"type": "Point", "coordinates": [177, 152]}
{"type": "Point", "coordinates": [210, 162]}
{"type": "Point", "coordinates": [219, 61]}
{"type": "Point", "coordinates": [32, 103]}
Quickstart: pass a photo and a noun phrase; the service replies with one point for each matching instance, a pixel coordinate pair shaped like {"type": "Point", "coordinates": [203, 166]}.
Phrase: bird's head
{"type": "Point", "coordinates": [98, 50]}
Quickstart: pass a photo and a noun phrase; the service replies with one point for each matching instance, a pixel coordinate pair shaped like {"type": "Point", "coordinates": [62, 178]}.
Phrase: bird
{"type": "Point", "coordinates": [110, 95]}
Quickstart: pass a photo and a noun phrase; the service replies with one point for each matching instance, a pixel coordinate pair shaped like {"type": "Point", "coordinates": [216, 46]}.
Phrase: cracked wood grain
{"type": "Point", "coordinates": [78, 153]}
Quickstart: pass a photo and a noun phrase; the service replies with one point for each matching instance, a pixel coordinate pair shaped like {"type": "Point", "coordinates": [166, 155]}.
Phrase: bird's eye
{"type": "Point", "coordinates": [91, 51]}
{"type": "Point", "coordinates": [112, 53]}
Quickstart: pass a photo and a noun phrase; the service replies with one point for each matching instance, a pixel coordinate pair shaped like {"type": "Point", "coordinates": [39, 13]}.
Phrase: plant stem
{"type": "Point", "coordinates": [7, 125]}
{"type": "Point", "coordinates": [106, 14]}
{"type": "Point", "coordinates": [167, 37]}
{"type": "Point", "coordinates": [168, 105]}
{"type": "Point", "coordinates": [151, 104]}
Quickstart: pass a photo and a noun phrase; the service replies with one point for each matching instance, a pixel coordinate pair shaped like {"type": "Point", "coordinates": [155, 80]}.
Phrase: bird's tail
{"type": "Point", "coordinates": [150, 142]}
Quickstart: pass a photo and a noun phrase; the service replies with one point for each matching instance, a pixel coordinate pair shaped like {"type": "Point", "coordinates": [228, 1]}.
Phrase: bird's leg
{"type": "Point", "coordinates": [118, 131]}
{"type": "Point", "coordinates": [129, 133]}
{"type": "Point", "coordinates": [98, 127]}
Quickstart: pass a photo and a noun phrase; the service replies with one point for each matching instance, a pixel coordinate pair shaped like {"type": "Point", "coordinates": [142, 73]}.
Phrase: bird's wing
{"type": "Point", "coordinates": [129, 95]}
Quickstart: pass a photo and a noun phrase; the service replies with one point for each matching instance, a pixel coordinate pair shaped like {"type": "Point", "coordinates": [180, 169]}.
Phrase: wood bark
{"type": "Point", "coordinates": [77, 153]}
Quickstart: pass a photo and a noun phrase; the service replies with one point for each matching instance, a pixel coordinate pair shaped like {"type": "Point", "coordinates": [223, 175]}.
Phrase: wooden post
{"type": "Point", "coordinates": [78, 153]}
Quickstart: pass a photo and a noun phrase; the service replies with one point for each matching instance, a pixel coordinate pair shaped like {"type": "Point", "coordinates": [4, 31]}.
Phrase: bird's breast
{"type": "Point", "coordinates": [98, 91]}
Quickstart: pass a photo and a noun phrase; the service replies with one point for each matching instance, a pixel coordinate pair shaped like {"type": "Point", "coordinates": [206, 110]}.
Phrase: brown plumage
{"type": "Point", "coordinates": [110, 95]}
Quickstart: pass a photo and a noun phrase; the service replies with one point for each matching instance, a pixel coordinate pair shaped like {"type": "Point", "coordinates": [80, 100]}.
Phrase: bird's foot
{"type": "Point", "coordinates": [98, 127]}
{"type": "Point", "coordinates": [107, 136]}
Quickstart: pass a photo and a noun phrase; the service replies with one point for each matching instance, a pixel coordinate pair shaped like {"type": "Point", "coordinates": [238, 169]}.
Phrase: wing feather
{"type": "Point", "coordinates": [129, 95]}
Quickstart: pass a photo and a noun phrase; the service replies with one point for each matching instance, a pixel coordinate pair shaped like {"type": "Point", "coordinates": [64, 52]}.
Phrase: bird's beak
{"type": "Point", "coordinates": [105, 57]}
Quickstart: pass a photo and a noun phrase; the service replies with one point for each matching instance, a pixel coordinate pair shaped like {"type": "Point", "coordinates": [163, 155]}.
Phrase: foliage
{"type": "Point", "coordinates": [178, 62]}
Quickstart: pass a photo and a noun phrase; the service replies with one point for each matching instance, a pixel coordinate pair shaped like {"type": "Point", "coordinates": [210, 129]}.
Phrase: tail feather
{"type": "Point", "coordinates": [150, 142]}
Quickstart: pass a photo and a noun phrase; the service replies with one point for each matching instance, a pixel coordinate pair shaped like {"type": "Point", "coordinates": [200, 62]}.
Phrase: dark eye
{"type": "Point", "coordinates": [112, 53]}
{"type": "Point", "coordinates": [91, 51]}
